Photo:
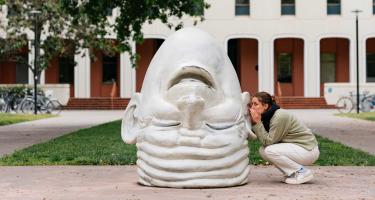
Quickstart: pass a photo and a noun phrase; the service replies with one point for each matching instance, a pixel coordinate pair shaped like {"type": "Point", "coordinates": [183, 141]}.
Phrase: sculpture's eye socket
{"type": "Point", "coordinates": [221, 126]}
{"type": "Point", "coordinates": [192, 74]}
{"type": "Point", "coordinates": [165, 123]}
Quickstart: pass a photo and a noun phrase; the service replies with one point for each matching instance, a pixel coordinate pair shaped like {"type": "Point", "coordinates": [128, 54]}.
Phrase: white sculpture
{"type": "Point", "coordinates": [190, 121]}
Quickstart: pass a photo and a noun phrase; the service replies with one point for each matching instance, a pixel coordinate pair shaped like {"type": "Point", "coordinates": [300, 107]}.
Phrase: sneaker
{"type": "Point", "coordinates": [300, 176]}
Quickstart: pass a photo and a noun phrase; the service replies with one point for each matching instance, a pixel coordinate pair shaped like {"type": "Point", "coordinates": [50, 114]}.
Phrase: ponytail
{"type": "Point", "coordinates": [265, 98]}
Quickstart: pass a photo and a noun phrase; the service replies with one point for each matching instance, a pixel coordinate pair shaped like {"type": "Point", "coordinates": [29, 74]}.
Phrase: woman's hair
{"type": "Point", "coordinates": [265, 98]}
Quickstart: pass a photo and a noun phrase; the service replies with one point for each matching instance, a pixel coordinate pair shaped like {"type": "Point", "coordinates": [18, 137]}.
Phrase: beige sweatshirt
{"type": "Point", "coordinates": [285, 128]}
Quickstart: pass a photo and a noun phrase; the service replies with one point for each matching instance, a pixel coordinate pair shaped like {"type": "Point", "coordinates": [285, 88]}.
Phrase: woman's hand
{"type": "Point", "coordinates": [255, 116]}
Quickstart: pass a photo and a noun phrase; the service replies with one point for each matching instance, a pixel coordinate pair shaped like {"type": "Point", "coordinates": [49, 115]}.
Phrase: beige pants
{"type": "Point", "coordinates": [288, 157]}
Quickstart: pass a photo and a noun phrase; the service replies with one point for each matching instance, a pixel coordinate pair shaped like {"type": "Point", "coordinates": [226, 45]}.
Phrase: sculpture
{"type": "Point", "coordinates": [190, 121]}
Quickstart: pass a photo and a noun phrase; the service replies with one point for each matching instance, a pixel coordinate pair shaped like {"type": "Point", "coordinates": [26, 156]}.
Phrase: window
{"type": "Point", "coordinates": [109, 12]}
{"type": "Point", "coordinates": [159, 42]}
{"type": "Point", "coordinates": [198, 8]}
{"type": "Point", "coordinates": [327, 68]}
{"type": "Point", "coordinates": [12, 11]}
{"type": "Point", "coordinates": [242, 7]}
{"type": "Point", "coordinates": [284, 72]}
{"type": "Point", "coordinates": [66, 71]}
{"type": "Point", "coordinates": [233, 54]}
{"type": "Point", "coordinates": [373, 6]}
{"type": "Point", "coordinates": [109, 9]}
{"type": "Point", "coordinates": [109, 69]}
{"type": "Point", "coordinates": [288, 7]}
{"type": "Point", "coordinates": [370, 67]}
{"type": "Point", "coordinates": [333, 7]}
{"type": "Point", "coordinates": [22, 70]}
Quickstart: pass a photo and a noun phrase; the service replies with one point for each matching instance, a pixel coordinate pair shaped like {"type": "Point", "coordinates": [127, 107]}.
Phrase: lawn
{"type": "Point", "coordinates": [366, 116]}
{"type": "Point", "coordinates": [6, 119]}
{"type": "Point", "coordinates": [102, 145]}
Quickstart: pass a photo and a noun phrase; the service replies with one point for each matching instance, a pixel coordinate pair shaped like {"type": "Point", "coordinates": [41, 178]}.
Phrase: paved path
{"type": "Point", "coordinates": [18, 136]}
{"type": "Point", "coordinates": [119, 182]}
{"type": "Point", "coordinates": [355, 133]}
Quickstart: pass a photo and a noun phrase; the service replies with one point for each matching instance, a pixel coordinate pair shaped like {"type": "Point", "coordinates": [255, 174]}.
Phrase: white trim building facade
{"type": "Point", "coordinates": [265, 23]}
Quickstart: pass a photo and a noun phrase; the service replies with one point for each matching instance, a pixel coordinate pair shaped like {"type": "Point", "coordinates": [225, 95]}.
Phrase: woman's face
{"type": "Point", "coordinates": [258, 106]}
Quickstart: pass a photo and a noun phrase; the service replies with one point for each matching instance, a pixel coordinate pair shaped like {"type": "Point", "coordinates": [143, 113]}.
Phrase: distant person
{"type": "Point", "coordinates": [287, 143]}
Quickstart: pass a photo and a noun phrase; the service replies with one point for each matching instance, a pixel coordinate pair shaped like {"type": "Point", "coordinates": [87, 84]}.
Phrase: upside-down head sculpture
{"type": "Point", "coordinates": [190, 121]}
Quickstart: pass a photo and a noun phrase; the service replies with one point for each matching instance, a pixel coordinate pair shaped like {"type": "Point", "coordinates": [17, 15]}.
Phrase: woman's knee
{"type": "Point", "coordinates": [315, 155]}
{"type": "Point", "coordinates": [263, 154]}
{"type": "Point", "coordinates": [271, 150]}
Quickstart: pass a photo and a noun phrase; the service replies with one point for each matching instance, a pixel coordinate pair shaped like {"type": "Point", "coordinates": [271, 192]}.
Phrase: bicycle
{"type": "Point", "coordinates": [45, 104]}
{"type": "Point", "coordinates": [369, 103]}
{"type": "Point", "coordinates": [2, 104]}
{"type": "Point", "coordinates": [347, 103]}
{"type": "Point", "coordinates": [10, 102]}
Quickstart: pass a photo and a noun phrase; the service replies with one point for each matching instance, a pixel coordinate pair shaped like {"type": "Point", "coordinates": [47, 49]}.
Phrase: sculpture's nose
{"type": "Point", "coordinates": [191, 107]}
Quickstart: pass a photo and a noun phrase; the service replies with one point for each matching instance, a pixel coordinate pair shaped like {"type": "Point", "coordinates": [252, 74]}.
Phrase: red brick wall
{"type": "Point", "coordinates": [295, 47]}
{"type": "Point", "coordinates": [248, 60]}
{"type": "Point", "coordinates": [96, 75]}
{"type": "Point", "coordinates": [7, 72]}
{"type": "Point", "coordinates": [370, 45]}
{"type": "Point", "coordinates": [340, 47]}
{"type": "Point", "coordinates": [146, 50]}
{"type": "Point", "coordinates": [98, 88]}
{"type": "Point", "coordinates": [8, 69]}
{"type": "Point", "coordinates": [52, 72]}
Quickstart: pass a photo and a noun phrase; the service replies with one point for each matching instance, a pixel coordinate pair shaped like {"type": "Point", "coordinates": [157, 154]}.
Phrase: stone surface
{"type": "Point", "coordinates": [119, 182]}
{"type": "Point", "coordinates": [190, 120]}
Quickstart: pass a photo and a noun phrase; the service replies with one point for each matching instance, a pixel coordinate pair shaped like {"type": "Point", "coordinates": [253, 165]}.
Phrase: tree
{"type": "Point", "coordinates": [68, 25]}
{"type": "Point", "coordinates": [65, 26]}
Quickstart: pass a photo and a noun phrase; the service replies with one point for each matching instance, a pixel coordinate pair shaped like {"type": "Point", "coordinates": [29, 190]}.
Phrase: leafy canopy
{"type": "Point", "coordinates": [66, 26]}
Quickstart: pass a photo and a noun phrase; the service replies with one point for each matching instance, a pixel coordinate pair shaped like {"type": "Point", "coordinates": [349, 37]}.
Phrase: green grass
{"type": "Point", "coordinates": [366, 116]}
{"type": "Point", "coordinates": [6, 119]}
{"type": "Point", "coordinates": [102, 145]}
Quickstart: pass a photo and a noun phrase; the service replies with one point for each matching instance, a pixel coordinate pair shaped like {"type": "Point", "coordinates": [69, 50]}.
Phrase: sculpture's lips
{"type": "Point", "coordinates": [192, 74]}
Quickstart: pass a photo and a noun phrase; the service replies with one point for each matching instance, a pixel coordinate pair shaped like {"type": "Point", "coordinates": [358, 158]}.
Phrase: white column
{"type": "Point", "coordinates": [43, 77]}
{"type": "Point", "coordinates": [362, 60]}
{"type": "Point", "coordinates": [311, 69]}
{"type": "Point", "coordinates": [265, 68]}
{"type": "Point", "coordinates": [82, 74]}
{"type": "Point", "coordinates": [352, 61]}
{"type": "Point", "coordinates": [31, 57]}
{"type": "Point", "coordinates": [127, 75]}
{"type": "Point", "coordinates": [31, 63]}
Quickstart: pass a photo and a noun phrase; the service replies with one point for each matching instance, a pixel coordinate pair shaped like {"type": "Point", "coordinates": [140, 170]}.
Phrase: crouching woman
{"type": "Point", "coordinates": [286, 142]}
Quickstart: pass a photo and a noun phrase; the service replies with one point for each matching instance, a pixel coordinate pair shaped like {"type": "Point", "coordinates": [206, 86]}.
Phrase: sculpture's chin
{"type": "Point", "coordinates": [204, 181]}
{"type": "Point", "coordinates": [193, 164]}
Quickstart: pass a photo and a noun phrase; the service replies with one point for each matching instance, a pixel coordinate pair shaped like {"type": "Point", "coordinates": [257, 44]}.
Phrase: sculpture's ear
{"type": "Point", "coordinates": [130, 121]}
{"type": "Point", "coordinates": [245, 102]}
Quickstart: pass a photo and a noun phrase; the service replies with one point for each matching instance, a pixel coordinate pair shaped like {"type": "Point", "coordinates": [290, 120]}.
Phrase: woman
{"type": "Point", "coordinates": [287, 143]}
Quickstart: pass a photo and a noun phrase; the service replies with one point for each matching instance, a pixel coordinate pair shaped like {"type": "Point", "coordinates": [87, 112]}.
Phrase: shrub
{"type": "Point", "coordinates": [18, 90]}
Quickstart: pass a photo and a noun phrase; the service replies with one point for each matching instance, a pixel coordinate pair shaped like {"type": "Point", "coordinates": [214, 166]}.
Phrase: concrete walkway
{"type": "Point", "coordinates": [21, 135]}
{"type": "Point", "coordinates": [119, 182]}
{"type": "Point", "coordinates": [355, 133]}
